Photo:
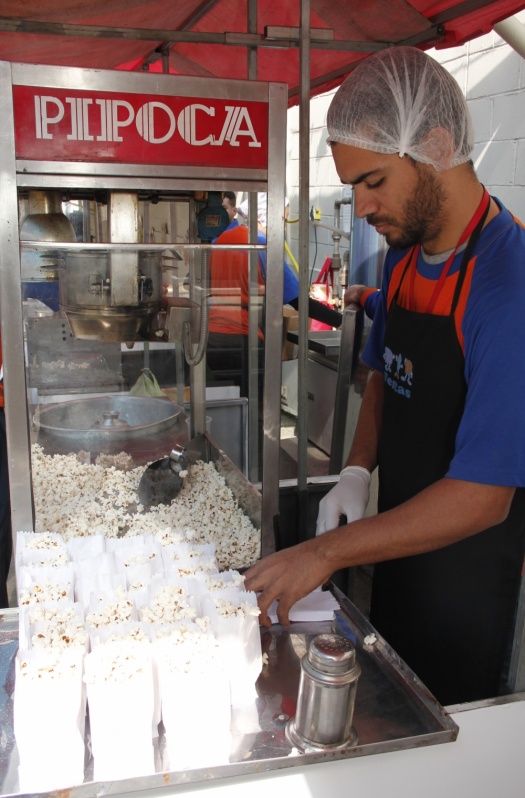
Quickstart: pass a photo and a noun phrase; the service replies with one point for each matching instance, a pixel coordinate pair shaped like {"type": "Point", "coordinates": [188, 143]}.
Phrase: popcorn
{"type": "Point", "coordinates": [57, 629]}
{"type": "Point", "coordinates": [49, 718]}
{"type": "Point", "coordinates": [121, 461]}
{"type": "Point", "coordinates": [233, 618]}
{"type": "Point", "coordinates": [90, 499]}
{"type": "Point", "coordinates": [129, 635]}
{"type": "Point", "coordinates": [139, 559]}
{"type": "Point", "coordinates": [185, 564]}
{"type": "Point", "coordinates": [189, 648]}
{"type": "Point", "coordinates": [117, 609]}
{"type": "Point", "coordinates": [137, 576]}
{"type": "Point", "coordinates": [120, 691]}
{"type": "Point", "coordinates": [227, 609]}
{"type": "Point", "coordinates": [169, 537]}
{"type": "Point", "coordinates": [46, 591]}
{"type": "Point", "coordinates": [224, 580]}
{"type": "Point", "coordinates": [136, 634]}
{"type": "Point", "coordinates": [167, 606]}
{"type": "Point", "coordinates": [51, 668]}
{"type": "Point", "coordinates": [45, 541]}
{"type": "Point", "coordinates": [113, 664]}
{"type": "Point", "coordinates": [192, 674]}
{"type": "Point", "coordinates": [36, 560]}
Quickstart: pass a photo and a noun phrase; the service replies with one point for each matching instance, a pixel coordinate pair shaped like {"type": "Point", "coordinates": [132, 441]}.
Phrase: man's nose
{"type": "Point", "coordinates": [364, 202]}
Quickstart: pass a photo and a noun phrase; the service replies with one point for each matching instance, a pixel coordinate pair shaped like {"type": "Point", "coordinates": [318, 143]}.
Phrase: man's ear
{"type": "Point", "coordinates": [438, 146]}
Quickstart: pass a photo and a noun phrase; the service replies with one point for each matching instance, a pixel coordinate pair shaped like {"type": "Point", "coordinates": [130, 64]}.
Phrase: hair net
{"type": "Point", "coordinates": [401, 100]}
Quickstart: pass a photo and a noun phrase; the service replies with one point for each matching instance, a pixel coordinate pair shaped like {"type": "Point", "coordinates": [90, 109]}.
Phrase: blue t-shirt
{"type": "Point", "coordinates": [291, 281]}
{"type": "Point", "coordinates": [371, 304]}
{"type": "Point", "coordinates": [490, 442]}
{"type": "Point", "coordinates": [233, 223]}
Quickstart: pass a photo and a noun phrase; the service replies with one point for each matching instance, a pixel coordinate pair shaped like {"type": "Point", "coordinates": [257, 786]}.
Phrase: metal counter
{"type": "Point", "coordinates": [393, 710]}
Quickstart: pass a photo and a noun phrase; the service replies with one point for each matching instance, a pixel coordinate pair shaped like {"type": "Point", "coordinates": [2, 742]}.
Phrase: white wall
{"type": "Point", "coordinates": [492, 76]}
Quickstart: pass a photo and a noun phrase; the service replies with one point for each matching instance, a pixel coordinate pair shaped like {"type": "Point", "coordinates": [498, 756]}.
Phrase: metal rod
{"type": "Point", "coordinates": [254, 400]}
{"type": "Point", "coordinates": [75, 245]}
{"type": "Point", "coordinates": [304, 190]}
{"type": "Point", "coordinates": [171, 37]}
{"type": "Point", "coordinates": [17, 428]}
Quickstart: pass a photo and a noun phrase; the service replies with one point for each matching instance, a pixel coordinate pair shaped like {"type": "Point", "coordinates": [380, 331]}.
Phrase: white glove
{"type": "Point", "coordinates": [349, 497]}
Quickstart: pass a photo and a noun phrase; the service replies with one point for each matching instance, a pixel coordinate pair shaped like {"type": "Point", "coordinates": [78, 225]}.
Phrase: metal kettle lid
{"type": "Point", "coordinates": [110, 420]}
{"type": "Point", "coordinates": [330, 653]}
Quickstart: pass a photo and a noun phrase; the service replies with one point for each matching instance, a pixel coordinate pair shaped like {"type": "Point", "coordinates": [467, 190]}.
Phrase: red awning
{"type": "Point", "coordinates": [209, 37]}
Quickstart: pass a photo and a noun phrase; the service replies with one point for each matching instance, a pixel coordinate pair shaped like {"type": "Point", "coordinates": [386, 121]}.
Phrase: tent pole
{"type": "Point", "coordinates": [304, 192]}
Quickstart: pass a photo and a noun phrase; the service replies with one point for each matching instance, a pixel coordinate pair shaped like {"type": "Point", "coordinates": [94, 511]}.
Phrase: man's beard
{"type": "Point", "coordinates": [422, 215]}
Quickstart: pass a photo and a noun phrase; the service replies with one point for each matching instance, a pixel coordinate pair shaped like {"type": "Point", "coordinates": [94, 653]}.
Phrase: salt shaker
{"type": "Point", "coordinates": [327, 688]}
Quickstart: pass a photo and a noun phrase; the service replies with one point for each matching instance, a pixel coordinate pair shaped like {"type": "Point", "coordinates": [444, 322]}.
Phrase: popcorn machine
{"type": "Point", "coordinates": [110, 203]}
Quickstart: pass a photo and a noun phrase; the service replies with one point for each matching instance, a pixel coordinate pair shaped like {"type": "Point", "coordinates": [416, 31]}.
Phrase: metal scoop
{"type": "Point", "coordinates": [162, 480]}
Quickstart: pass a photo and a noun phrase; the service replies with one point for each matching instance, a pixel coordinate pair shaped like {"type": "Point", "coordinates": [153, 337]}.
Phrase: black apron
{"type": "Point", "coordinates": [448, 613]}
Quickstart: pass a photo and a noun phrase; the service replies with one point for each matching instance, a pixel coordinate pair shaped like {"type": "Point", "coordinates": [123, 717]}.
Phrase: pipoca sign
{"type": "Point", "coordinates": [65, 125]}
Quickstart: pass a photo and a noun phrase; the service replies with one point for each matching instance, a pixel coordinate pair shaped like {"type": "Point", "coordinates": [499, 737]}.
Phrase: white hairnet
{"type": "Point", "coordinates": [401, 100]}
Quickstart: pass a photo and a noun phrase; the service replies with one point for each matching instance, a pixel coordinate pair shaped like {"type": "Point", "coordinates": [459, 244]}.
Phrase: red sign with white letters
{"type": "Point", "coordinates": [94, 126]}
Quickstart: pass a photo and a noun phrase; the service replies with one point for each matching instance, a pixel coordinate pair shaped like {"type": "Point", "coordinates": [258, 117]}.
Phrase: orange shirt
{"type": "Point", "coordinates": [230, 285]}
{"type": "Point", "coordinates": [424, 288]}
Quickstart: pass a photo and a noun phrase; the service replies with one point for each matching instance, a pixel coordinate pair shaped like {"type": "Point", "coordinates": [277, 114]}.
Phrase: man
{"type": "Point", "coordinates": [443, 415]}
{"type": "Point", "coordinates": [227, 351]}
{"type": "Point", "coordinates": [229, 203]}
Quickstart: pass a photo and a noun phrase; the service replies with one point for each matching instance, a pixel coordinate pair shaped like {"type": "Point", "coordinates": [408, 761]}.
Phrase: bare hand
{"type": "Point", "coordinates": [287, 575]}
{"type": "Point", "coordinates": [353, 294]}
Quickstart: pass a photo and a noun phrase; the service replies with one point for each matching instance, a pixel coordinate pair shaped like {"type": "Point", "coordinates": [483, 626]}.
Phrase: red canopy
{"type": "Point", "coordinates": [210, 37]}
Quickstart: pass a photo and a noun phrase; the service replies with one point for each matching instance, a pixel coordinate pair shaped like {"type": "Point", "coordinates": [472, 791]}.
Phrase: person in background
{"type": "Point", "coordinates": [291, 280]}
{"type": "Point", "coordinates": [316, 310]}
{"type": "Point", "coordinates": [442, 416]}
{"type": "Point", "coordinates": [227, 350]}
{"type": "Point", "coordinates": [229, 203]}
{"type": "Point", "coordinates": [6, 539]}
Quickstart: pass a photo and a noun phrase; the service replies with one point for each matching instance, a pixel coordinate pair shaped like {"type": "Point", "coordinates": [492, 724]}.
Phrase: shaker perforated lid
{"type": "Point", "coordinates": [330, 653]}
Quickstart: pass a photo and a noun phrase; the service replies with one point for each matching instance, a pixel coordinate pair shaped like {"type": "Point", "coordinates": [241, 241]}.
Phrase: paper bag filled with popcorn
{"type": "Point", "coordinates": [119, 680]}
{"type": "Point", "coordinates": [234, 619]}
{"type": "Point", "coordinates": [195, 697]}
{"type": "Point", "coordinates": [98, 575]}
{"type": "Point", "coordinates": [129, 633]}
{"type": "Point", "coordinates": [49, 718]}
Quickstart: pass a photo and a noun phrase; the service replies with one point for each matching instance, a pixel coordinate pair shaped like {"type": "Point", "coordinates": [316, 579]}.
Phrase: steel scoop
{"type": "Point", "coordinates": [162, 480]}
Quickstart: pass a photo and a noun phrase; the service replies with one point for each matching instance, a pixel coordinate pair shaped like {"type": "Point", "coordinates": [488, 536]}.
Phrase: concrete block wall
{"type": "Point", "coordinates": [492, 77]}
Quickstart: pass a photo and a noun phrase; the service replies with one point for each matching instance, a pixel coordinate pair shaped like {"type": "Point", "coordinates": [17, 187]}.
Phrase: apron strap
{"type": "Point", "coordinates": [472, 232]}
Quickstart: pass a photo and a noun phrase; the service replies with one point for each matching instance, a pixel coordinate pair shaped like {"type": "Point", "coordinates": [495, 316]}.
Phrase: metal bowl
{"type": "Point", "coordinates": [85, 420]}
{"type": "Point", "coordinates": [110, 324]}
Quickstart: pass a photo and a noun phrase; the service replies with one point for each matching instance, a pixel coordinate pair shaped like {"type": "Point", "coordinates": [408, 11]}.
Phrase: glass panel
{"type": "Point", "coordinates": [108, 376]}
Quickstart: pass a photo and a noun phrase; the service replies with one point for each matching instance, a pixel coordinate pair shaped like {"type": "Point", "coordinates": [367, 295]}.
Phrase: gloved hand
{"type": "Point", "coordinates": [349, 497]}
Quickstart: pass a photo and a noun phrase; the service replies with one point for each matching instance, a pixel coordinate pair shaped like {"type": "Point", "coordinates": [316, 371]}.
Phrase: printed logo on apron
{"type": "Point", "coordinates": [398, 373]}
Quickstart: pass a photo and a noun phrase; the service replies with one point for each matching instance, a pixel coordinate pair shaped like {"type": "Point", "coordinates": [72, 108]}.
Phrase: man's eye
{"type": "Point", "coordinates": [377, 184]}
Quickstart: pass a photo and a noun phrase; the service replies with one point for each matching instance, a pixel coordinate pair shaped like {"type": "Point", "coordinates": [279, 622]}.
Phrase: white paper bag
{"type": "Point", "coordinates": [120, 695]}
{"type": "Point", "coordinates": [234, 620]}
{"type": "Point", "coordinates": [195, 698]}
{"type": "Point", "coordinates": [49, 718]}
